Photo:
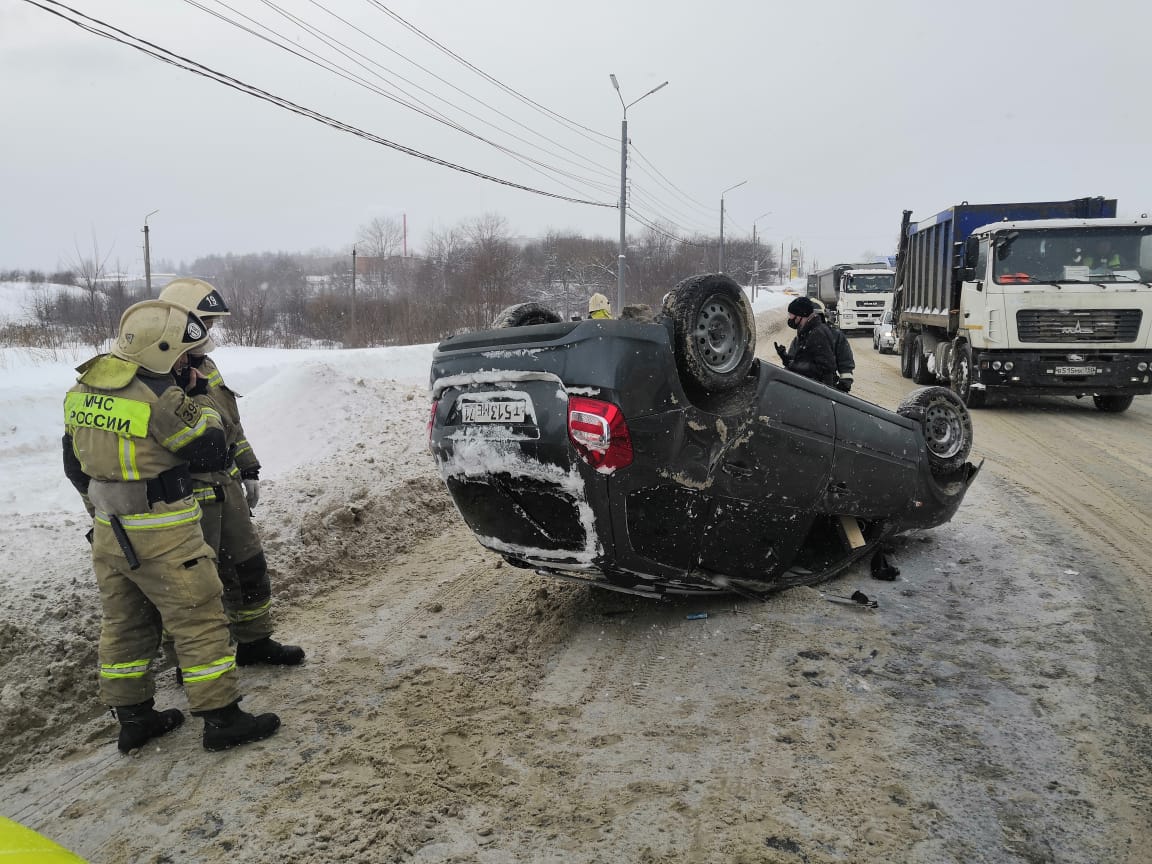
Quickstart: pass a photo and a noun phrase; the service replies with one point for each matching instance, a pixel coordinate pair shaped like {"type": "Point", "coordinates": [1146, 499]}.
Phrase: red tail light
{"type": "Point", "coordinates": [599, 433]}
{"type": "Point", "coordinates": [432, 419]}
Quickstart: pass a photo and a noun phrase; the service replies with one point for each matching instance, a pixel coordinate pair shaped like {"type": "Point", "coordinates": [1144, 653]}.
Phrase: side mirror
{"type": "Point", "coordinates": [1146, 252]}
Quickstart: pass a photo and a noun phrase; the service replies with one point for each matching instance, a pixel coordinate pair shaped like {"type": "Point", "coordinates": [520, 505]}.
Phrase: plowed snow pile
{"type": "Point", "coordinates": [348, 483]}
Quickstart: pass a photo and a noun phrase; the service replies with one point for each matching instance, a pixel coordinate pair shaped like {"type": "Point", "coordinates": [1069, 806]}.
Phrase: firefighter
{"type": "Point", "coordinates": [599, 307]}
{"type": "Point", "coordinates": [811, 353]}
{"type": "Point", "coordinates": [132, 439]}
{"type": "Point", "coordinates": [227, 497]}
{"type": "Point", "coordinates": [845, 361]}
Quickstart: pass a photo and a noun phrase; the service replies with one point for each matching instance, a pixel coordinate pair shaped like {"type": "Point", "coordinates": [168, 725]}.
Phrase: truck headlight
{"type": "Point", "coordinates": [996, 364]}
{"type": "Point", "coordinates": [1141, 367]}
{"type": "Point", "coordinates": [1008, 365]}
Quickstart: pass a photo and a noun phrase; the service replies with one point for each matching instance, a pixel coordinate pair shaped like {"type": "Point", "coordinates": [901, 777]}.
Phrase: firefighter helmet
{"type": "Point", "coordinates": [197, 296]}
{"type": "Point", "coordinates": [598, 303]}
{"type": "Point", "coordinates": [154, 334]}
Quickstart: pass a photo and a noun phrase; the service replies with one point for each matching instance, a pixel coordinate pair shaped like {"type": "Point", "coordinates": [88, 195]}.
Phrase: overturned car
{"type": "Point", "coordinates": [660, 456]}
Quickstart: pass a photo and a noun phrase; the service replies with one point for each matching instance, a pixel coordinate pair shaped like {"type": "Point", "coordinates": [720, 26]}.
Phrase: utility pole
{"type": "Point", "coordinates": [720, 268]}
{"type": "Point", "coordinates": [623, 251]}
{"type": "Point", "coordinates": [148, 257]}
{"type": "Point", "coordinates": [353, 337]}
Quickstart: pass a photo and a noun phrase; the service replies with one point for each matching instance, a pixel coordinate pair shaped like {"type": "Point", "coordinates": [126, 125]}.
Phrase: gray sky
{"type": "Point", "coordinates": [838, 113]}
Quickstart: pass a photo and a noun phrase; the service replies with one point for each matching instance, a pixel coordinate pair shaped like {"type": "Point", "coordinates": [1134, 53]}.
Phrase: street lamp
{"type": "Point", "coordinates": [624, 187]}
{"type": "Point", "coordinates": [148, 256]}
{"type": "Point", "coordinates": [720, 269]}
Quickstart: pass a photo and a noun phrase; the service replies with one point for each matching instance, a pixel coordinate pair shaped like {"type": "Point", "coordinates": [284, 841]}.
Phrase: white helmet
{"type": "Point", "coordinates": [154, 334]}
{"type": "Point", "coordinates": [196, 295]}
{"type": "Point", "coordinates": [598, 303]}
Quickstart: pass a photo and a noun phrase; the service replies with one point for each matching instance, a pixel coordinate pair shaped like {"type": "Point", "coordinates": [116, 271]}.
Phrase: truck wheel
{"type": "Point", "coordinates": [920, 373]}
{"type": "Point", "coordinates": [906, 346]}
{"type": "Point", "coordinates": [1112, 403]}
{"type": "Point", "coordinates": [525, 314]}
{"type": "Point", "coordinates": [946, 424]}
{"type": "Point", "coordinates": [715, 340]}
{"type": "Point", "coordinates": [961, 375]}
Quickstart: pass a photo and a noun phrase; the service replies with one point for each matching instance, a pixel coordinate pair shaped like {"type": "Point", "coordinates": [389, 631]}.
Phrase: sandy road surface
{"type": "Point", "coordinates": [994, 708]}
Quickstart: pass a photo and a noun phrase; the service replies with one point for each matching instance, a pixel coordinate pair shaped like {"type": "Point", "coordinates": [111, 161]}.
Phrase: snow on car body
{"type": "Point", "coordinates": [592, 457]}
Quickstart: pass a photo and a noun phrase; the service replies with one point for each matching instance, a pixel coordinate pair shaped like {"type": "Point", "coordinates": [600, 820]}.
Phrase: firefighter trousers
{"type": "Point", "coordinates": [228, 529]}
{"type": "Point", "coordinates": [176, 589]}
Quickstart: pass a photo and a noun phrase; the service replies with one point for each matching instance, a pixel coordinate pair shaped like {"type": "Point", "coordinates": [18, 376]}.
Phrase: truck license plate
{"type": "Point", "coordinates": [492, 412]}
{"type": "Point", "coordinates": [1075, 370]}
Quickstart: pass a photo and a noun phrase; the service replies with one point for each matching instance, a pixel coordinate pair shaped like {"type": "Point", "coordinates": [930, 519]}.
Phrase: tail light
{"type": "Point", "coordinates": [599, 433]}
{"type": "Point", "coordinates": [432, 419]}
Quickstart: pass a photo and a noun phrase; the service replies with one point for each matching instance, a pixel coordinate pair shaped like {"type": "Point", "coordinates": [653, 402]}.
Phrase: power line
{"type": "Point", "coordinates": [459, 90]}
{"type": "Point", "coordinates": [426, 111]}
{"type": "Point", "coordinates": [685, 221]}
{"type": "Point", "coordinates": [486, 76]}
{"type": "Point", "coordinates": [174, 59]}
{"type": "Point", "coordinates": [673, 186]}
{"type": "Point", "coordinates": [661, 231]}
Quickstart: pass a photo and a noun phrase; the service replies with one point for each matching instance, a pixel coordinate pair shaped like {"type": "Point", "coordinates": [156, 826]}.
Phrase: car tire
{"type": "Point", "coordinates": [960, 376]}
{"type": "Point", "coordinates": [907, 344]}
{"type": "Point", "coordinates": [1111, 403]}
{"type": "Point", "coordinates": [714, 334]}
{"type": "Point", "coordinates": [946, 424]}
{"type": "Point", "coordinates": [524, 315]}
{"type": "Point", "coordinates": [920, 373]}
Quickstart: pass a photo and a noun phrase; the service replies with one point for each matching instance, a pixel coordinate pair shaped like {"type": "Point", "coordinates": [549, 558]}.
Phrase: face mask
{"type": "Point", "coordinates": [793, 323]}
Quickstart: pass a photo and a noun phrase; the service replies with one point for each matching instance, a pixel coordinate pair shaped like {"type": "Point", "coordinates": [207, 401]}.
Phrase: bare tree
{"type": "Point", "coordinates": [89, 271]}
{"type": "Point", "coordinates": [377, 244]}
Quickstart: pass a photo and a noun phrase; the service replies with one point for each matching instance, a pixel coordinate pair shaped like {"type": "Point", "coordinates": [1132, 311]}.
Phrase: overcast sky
{"type": "Point", "coordinates": [838, 113]}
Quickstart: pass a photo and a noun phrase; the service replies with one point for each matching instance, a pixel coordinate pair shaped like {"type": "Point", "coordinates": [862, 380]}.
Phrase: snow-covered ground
{"type": "Point", "coordinates": [347, 479]}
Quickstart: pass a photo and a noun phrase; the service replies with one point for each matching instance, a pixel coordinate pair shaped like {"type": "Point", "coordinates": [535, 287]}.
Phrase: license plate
{"type": "Point", "coordinates": [492, 412]}
{"type": "Point", "coordinates": [1075, 370]}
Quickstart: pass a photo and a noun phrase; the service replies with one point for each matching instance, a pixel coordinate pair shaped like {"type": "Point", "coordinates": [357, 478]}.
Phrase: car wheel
{"type": "Point", "coordinates": [920, 372]}
{"type": "Point", "coordinates": [1112, 404]}
{"type": "Point", "coordinates": [961, 377]}
{"type": "Point", "coordinates": [875, 342]}
{"type": "Point", "coordinates": [525, 314]}
{"type": "Point", "coordinates": [908, 343]}
{"type": "Point", "coordinates": [715, 340]}
{"type": "Point", "coordinates": [946, 424]}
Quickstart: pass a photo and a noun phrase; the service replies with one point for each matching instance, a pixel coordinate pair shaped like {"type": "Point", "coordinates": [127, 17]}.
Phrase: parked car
{"type": "Point", "coordinates": [660, 456]}
{"type": "Point", "coordinates": [884, 334]}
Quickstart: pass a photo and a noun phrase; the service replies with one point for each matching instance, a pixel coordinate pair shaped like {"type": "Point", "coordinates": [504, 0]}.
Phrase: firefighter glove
{"type": "Point", "coordinates": [251, 492]}
{"type": "Point", "coordinates": [783, 352]}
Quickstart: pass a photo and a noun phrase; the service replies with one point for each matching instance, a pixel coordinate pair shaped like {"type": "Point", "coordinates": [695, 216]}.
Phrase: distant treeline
{"type": "Point", "coordinates": [463, 277]}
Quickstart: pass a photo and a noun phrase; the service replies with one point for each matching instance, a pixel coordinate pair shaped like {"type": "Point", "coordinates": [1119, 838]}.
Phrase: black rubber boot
{"type": "Point", "coordinates": [230, 727]}
{"type": "Point", "coordinates": [269, 651]}
{"type": "Point", "coordinates": [140, 723]}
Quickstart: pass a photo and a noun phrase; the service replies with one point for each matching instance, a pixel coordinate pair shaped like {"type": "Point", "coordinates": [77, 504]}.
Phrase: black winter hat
{"type": "Point", "coordinates": [801, 306]}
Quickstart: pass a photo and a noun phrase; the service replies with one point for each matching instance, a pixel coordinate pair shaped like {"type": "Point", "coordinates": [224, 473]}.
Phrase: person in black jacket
{"type": "Point", "coordinates": [845, 360]}
{"type": "Point", "coordinates": [813, 351]}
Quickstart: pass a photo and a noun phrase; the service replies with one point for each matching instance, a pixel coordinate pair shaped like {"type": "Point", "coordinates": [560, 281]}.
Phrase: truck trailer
{"type": "Point", "coordinates": [1034, 298]}
{"type": "Point", "coordinates": [855, 295]}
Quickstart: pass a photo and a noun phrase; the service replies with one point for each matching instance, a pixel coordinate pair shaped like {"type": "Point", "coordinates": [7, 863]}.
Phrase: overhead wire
{"type": "Point", "coordinates": [686, 222]}
{"type": "Point", "coordinates": [672, 186]}
{"type": "Point", "coordinates": [459, 90]}
{"type": "Point", "coordinates": [652, 226]}
{"type": "Point", "coordinates": [426, 110]}
{"type": "Point", "coordinates": [512, 91]}
{"type": "Point", "coordinates": [172, 58]}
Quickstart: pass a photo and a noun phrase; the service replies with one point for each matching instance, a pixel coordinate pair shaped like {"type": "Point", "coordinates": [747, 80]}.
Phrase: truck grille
{"type": "Point", "coordinates": [1081, 325]}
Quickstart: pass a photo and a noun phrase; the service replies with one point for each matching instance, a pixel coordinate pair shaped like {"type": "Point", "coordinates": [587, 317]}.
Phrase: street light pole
{"type": "Point", "coordinates": [756, 253]}
{"type": "Point", "coordinates": [148, 257]}
{"type": "Point", "coordinates": [622, 254]}
{"type": "Point", "coordinates": [720, 268]}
